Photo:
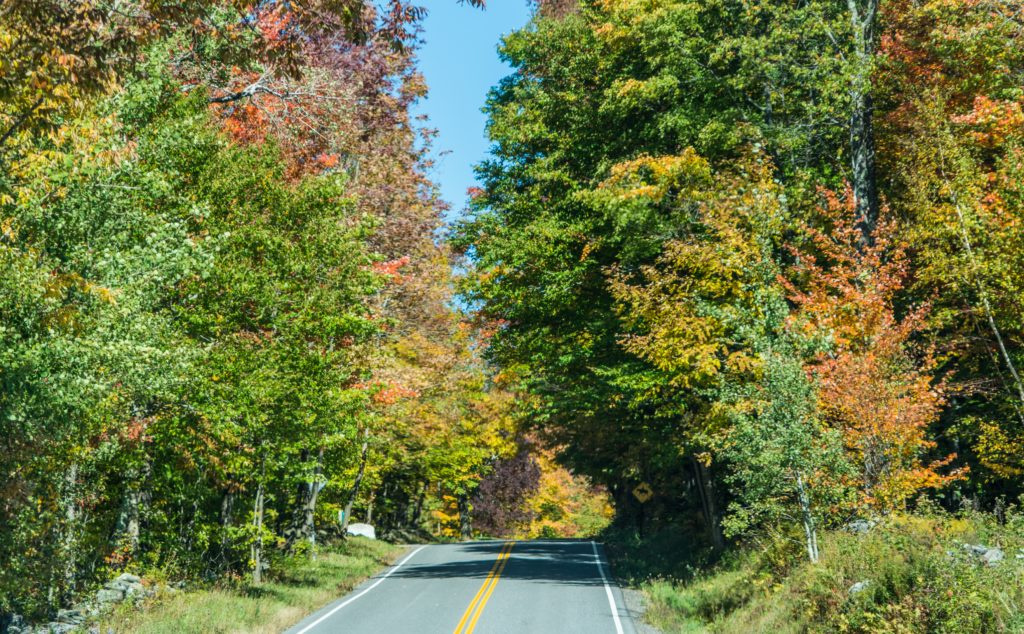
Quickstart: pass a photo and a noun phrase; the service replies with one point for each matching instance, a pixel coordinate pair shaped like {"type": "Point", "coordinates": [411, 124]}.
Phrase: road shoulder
{"type": "Point", "coordinates": [636, 605]}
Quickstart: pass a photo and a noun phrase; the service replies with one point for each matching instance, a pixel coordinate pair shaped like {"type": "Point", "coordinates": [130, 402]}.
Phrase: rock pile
{"type": "Point", "coordinates": [990, 556]}
{"type": "Point", "coordinates": [126, 586]}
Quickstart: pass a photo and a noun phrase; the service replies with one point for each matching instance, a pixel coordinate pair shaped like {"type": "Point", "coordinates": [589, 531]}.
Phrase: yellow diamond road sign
{"type": "Point", "coordinates": [643, 492]}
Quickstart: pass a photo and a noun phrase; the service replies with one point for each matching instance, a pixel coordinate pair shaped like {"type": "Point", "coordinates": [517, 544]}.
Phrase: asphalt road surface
{"type": "Point", "coordinates": [492, 587]}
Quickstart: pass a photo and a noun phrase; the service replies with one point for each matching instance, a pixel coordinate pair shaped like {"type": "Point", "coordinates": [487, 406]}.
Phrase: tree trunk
{"type": "Point", "coordinates": [418, 508]}
{"type": "Point", "coordinates": [465, 518]}
{"type": "Point", "coordinates": [132, 512]}
{"type": "Point", "coordinates": [304, 526]}
{"type": "Point", "coordinates": [69, 500]}
{"type": "Point", "coordinates": [358, 481]}
{"type": "Point", "coordinates": [807, 519]}
{"type": "Point", "coordinates": [709, 506]}
{"type": "Point", "coordinates": [863, 18]}
{"type": "Point", "coordinates": [227, 508]}
{"type": "Point", "coordinates": [257, 520]}
{"type": "Point", "coordinates": [986, 305]}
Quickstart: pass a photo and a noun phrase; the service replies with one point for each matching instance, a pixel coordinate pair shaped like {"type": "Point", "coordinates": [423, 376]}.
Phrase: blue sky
{"type": "Point", "coordinates": [460, 62]}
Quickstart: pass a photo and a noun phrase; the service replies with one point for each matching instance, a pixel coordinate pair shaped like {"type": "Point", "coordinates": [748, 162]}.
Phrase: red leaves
{"type": "Point", "coordinates": [391, 268]}
{"type": "Point", "coordinates": [993, 120]}
{"type": "Point", "coordinates": [273, 23]}
{"type": "Point", "coordinates": [876, 383]}
{"type": "Point", "coordinates": [327, 161]}
{"type": "Point", "coordinates": [387, 392]}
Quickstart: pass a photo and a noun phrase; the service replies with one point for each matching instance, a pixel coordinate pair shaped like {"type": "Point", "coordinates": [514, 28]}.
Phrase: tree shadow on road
{"type": "Point", "coordinates": [562, 562]}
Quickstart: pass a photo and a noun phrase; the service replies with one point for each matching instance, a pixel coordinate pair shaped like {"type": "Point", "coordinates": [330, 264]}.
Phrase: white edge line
{"type": "Point", "coordinates": [607, 589]}
{"type": "Point", "coordinates": [374, 585]}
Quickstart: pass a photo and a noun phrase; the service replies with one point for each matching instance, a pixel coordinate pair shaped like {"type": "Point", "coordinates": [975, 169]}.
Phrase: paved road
{"type": "Point", "coordinates": [492, 587]}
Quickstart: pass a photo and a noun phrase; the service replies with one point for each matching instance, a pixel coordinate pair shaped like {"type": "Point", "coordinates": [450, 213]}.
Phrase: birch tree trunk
{"type": "Point", "coordinates": [69, 543]}
{"type": "Point", "coordinates": [986, 305]}
{"type": "Point", "coordinates": [364, 451]}
{"type": "Point", "coordinates": [135, 498]}
{"type": "Point", "coordinates": [807, 519]}
{"type": "Point", "coordinates": [227, 508]}
{"type": "Point", "coordinates": [304, 525]}
{"type": "Point", "coordinates": [257, 519]}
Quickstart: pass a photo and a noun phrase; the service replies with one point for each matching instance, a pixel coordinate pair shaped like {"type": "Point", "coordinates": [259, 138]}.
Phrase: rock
{"type": "Point", "coordinates": [128, 588]}
{"type": "Point", "coordinates": [129, 578]}
{"type": "Point", "coordinates": [12, 624]}
{"type": "Point", "coordinates": [861, 526]}
{"type": "Point", "coordinates": [859, 587]}
{"type": "Point", "coordinates": [362, 530]}
{"type": "Point", "coordinates": [59, 628]}
{"type": "Point", "coordinates": [74, 617]}
{"type": "Point", "coordinates": [109, 595]}
{"type": "Point", "coordinates": [993, 556]}
{"type": "Point", "coordinates": [989, 556]}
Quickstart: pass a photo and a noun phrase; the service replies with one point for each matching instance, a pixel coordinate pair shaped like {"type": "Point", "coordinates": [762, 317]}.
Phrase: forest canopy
{"type": "Point", "coordinates": [227, 323]}
{"type": "Point", "coordinates": [763, 258]}
{"type": "Point", "coordinates": [740, 270]}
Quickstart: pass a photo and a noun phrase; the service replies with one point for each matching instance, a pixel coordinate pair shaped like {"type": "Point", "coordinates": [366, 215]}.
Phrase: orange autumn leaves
{"type": "Point", "coordinates": [875, 385]}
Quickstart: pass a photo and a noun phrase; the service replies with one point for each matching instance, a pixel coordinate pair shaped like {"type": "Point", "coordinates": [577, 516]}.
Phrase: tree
{"type": "Point", "coordinates": [950, 141]}
{"type": "Point", "coordinates": [788, 466]}
{"type": "Point", "coordinates": [500, 502]}
{"type": "Point", "coordinates": [58, 53]}
{"type": "Point", "coordinates": [710, 315]}
{"type": "Point", "coordinates": [876, 382]}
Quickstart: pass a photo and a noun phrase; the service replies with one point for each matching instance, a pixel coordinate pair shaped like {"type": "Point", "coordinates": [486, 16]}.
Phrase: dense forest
{"type": "Point", "coordinates": [227, 322]}
{"type": "Point", "coordinates": [765, 260]}
{"type": "Point", "coordinates": [764, 257]}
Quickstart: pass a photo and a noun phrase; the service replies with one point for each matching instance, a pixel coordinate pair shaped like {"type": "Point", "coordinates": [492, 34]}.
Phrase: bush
{"type": "Point", "coordinates": [917, 574]}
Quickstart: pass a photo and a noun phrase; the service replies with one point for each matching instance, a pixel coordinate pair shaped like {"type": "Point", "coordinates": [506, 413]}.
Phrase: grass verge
{"type": "Point", "coordinates": [295, 588]}
{"type": "Point", "coordinates": [910, 574]}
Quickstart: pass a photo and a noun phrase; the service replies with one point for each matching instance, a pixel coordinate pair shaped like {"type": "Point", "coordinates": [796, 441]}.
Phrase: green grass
{"type": "Point", "coordinates": [296, 588]}
{"type": "Point", "coordinates": [921, 581]}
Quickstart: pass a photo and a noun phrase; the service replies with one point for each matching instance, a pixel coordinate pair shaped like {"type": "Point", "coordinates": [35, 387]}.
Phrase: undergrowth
{"type": "Point", "coordinates": [908, 574]}
{"type": "Point", "coordinates": [296, 587]}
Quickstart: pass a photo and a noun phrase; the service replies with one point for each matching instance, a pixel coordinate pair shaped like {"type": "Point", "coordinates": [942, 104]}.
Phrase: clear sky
{"type": "Point", "coordinates": [460, 62]}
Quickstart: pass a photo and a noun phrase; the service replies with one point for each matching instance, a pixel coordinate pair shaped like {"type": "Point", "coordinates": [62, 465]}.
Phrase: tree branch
{"type": "Point", "coordinates": [20, 121]}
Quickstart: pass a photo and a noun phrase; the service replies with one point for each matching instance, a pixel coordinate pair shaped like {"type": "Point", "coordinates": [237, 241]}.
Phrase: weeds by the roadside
{"type": "Point", "coordinates": [296, 587]}
{"type": "Point", "coordinates": [928, 572]}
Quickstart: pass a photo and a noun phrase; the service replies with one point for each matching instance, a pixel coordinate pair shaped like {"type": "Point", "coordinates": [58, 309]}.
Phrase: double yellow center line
{"type": "Point", "coordinates": [476, 606]}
